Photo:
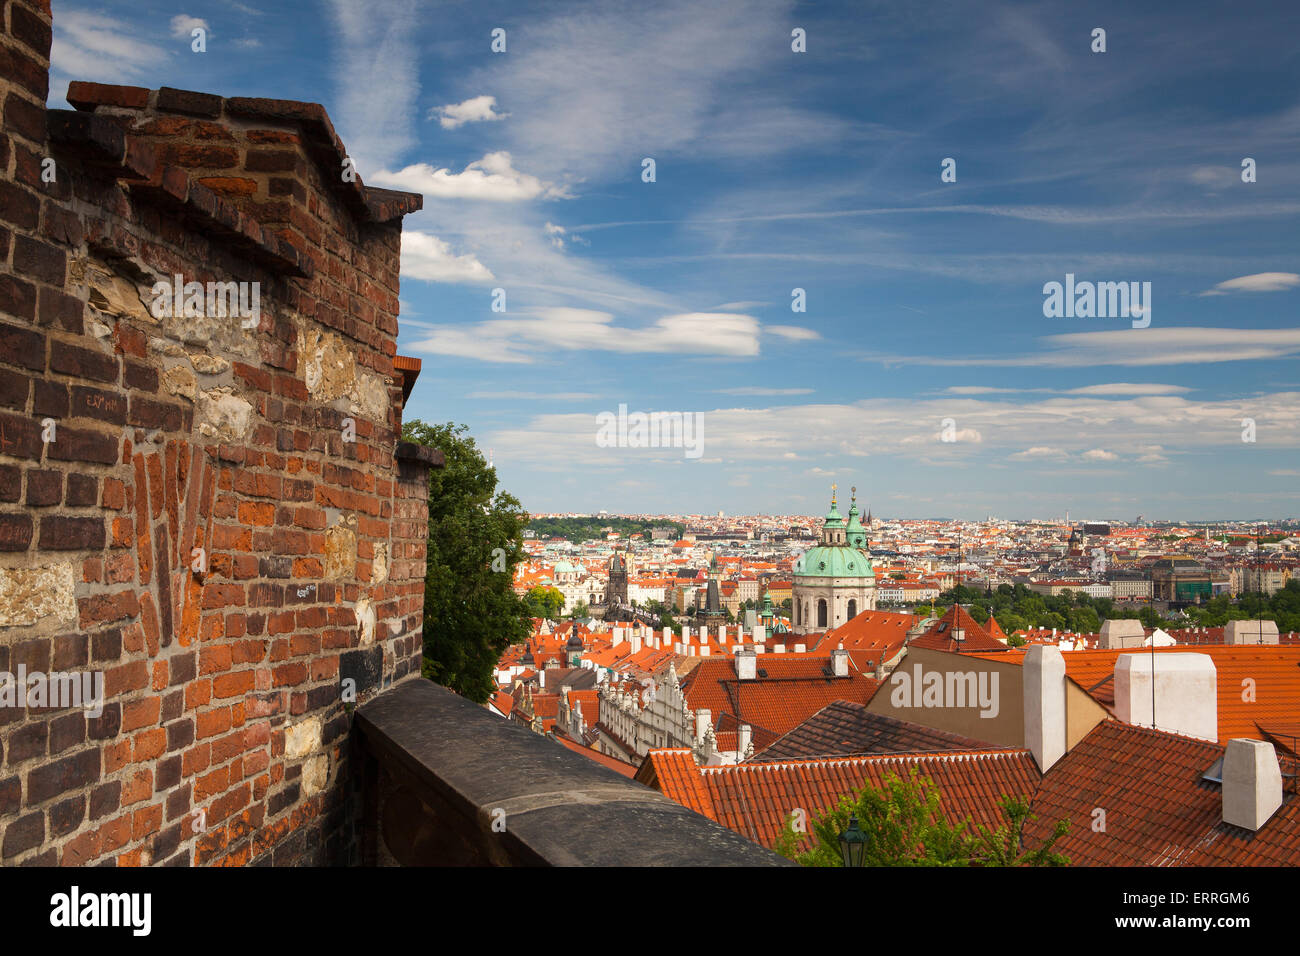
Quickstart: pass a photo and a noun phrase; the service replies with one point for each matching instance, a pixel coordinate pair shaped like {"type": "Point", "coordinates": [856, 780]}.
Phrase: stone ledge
{"type": "Point", "coordinates": [453, 764]}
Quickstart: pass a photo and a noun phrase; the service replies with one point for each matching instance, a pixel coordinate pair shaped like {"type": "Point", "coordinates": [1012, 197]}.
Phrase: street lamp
{"type": "Point", "coordinates": [853, 844]}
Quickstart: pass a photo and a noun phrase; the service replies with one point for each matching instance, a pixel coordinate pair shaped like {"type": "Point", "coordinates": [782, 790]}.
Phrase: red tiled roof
{"type": "Point", "coordinates": [1159, 812]}
{"type": "Point", "coordinates": [939, 636]}
{"type": "Point", "coordinates": [788, 690]}
{"type": "Point", "coordinates": [755, 799]}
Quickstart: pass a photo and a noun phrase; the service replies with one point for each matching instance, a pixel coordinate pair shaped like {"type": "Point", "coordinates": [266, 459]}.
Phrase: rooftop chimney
{"type": "Point", "coordinates": [840, 662]}
{"type": "Point", "coordinates": [636, 642]}
{"type": "Point", "coordinates": [704, 650]}
{"type": "Point", "coordinates": [703, 718]}
{"type": "Point", "coordinates": [1121, 632]}
{"type": "Point", "coordinates": [778, 648]}
{"type": "Point", "coordinates": [618, 637]}
{"type": "Point", "coordinates": [800, 648]}
{"type": "Point", "coordinates": [1044, 689]}
{"type": "Point", "coordinates": [1252, 783]}
{"type": "Point", "coordinates": [760, 633]}
{"type": "Point", "coordinates": [1186, 693]}
{"type": "Point", "coordinates": [746, 664]}
{"type": "Point", "coordinates": [1250, 632]}
{"type": "Point", "coordinates": [743, 737]}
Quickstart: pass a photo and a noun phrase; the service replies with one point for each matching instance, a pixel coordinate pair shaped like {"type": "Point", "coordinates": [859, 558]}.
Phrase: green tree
{"type": "Point", "coordinates": [471, 612]}
{"type": "Point", "coordinates": [905, 826]}
{"type": "Point", "coordinates": [545, 601]}
{"type": "Point", "coordinates": [1001, 847]}
{"type": "Point", "coordinates": [580, 610]}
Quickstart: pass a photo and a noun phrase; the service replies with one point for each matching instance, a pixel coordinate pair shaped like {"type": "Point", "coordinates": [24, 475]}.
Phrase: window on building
{"type": "Point", "coordinates": [821, 612]}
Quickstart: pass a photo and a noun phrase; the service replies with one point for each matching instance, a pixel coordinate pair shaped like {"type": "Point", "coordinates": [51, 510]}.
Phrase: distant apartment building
{"type": "Point", "coordinates": [1129, 586]}
{"type": "Point", "coordinates": [1179, 580]}
{"type": "Point", "coordinates": [1268, 579]}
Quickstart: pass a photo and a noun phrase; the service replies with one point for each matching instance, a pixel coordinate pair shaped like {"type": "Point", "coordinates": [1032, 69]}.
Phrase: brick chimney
{"type": "Point", "coordinates": [1252, 783]}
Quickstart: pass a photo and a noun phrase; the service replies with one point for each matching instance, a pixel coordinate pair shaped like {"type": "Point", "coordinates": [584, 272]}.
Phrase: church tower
{"type": "Point", "coordinates": [834, 582]}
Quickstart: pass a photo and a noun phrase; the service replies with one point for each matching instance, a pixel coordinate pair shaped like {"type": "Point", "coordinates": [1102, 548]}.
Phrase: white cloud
{"type": "Point", "coordinates": [1259, 282]}
{"type": "Point", "coordinates": [524, 339]}
{"type": "Point", "coordinates": [759, 390]}
{"type": "Point", "coordinates": [1039, 452]}
{"type": "Point", "coordinates": [184, 25]}
{"type": "Point", "coordinates": [559, 236]}
{"type": "Point", "coordinates": [492, 177]}
{"type": "Point", "coordinates": [794, 333]}
{"type": "Point", "coordinates": [536, 396]}
{"type": "Point", "coordinates": [478, 109]}
{"type": "Point", "coordinates": [1099, 454]}
{"type": "Point", "coordinates": [1174, 345]}
{"type": "Point", "coordinates": [1128, 388]}
{"type": "Point", "coordinates": [427, 257]}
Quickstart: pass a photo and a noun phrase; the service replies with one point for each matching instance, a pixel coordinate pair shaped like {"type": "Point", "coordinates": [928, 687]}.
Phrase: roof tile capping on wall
{"type": "Point", "coordinates": [205, 512]}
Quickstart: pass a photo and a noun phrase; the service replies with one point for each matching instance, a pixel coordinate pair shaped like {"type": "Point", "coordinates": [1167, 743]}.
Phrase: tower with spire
{"type": "Point", "coordinates": [834, 582]}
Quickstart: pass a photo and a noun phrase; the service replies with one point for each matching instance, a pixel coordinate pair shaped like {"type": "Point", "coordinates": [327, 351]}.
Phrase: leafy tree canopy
{"type": "Point", "coordinates": [471, 612]}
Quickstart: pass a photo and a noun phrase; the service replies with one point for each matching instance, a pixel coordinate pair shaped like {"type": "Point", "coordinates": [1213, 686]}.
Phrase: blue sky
{"type": "Point", "coordinates": [820, 170]}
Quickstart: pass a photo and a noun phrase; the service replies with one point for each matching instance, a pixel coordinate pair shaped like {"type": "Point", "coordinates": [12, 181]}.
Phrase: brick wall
{"type": "Point", "coordinates": [183, 508]}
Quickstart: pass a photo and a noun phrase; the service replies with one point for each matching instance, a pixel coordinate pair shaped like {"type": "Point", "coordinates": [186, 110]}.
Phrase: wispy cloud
{"type": "Point", "coordinates": [378, 82]}
{"type": "Point", "coordinates": [1135, 347]}
{"type": "Point", "coordinates": [1259, 282]}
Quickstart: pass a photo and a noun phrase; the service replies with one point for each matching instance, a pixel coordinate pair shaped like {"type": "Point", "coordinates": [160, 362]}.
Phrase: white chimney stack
{"type": "Point", "coordinates": [840, 662]}
{"type": "Point", "coordinates": [760, 633]}
{"type": "Point", "coordinates": [1250, 632]}
{"type": "Point", "coordinates": [1044, 690]}
{"type": "Point", "coordinates": [1186, 693]}
{"type": "Point", "coordinates": [743, 737]}
{"type": "Point", "coordinates": [636, 642]}
{"type": "Point", "coordinates": [703, 719]}
{"type": "Point", "coordinates": [686, 632]}
{"type": "Point", "coordinates": [704, 650]}
{"type": "Point", "coordinates": [746, 664]}
{"type": "Point", "coordinates": [668, 632]}
{"type": "Point", "coordinates": [617, 639]}
{"type": "Point", "coordinates": [1121, 632]}
{"type": "Point", "coordinates": [1252, 783]}
{"type": "Point", "coordinates": [800, 648]}
{"type": "Point", "coordinates": [778, 648]}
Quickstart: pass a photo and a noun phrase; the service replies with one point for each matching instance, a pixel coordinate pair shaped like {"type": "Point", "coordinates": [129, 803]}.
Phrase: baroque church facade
{"type": "Point", "coordinates": [834, 581]}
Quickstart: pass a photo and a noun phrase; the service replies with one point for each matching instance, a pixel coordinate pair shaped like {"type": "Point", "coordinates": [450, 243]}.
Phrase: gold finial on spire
{"type": "Point", "coordinates": [853, 493]}
{"type": "Point", "coordinates": [833, 489]}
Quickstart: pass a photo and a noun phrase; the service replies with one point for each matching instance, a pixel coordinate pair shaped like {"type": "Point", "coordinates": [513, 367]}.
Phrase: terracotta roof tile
{"type": "Point", "coordinates": [755, 799]}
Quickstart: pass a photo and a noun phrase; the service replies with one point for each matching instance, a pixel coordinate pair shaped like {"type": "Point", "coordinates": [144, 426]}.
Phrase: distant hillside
{"type": "Point", "coordinates": [584, 529]}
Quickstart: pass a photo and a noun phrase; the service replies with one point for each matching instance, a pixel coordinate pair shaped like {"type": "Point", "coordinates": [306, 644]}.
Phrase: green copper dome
{"type": "Point", "coordinates": [834, 562]}
{"type": "Point", "coordinates": [842, 552]}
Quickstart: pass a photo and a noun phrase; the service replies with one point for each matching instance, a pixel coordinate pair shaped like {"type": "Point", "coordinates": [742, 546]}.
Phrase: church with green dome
{"type": "Point", "coordinates": [834, 582]}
